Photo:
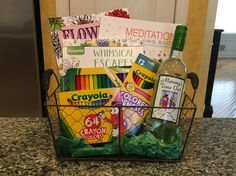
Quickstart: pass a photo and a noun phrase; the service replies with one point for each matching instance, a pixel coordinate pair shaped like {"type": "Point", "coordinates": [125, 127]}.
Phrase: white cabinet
{"type": "Point", "coordinates": [154, 10]}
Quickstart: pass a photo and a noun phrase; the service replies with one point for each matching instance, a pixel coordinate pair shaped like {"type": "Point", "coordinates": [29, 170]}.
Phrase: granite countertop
{"type": "Point", "coordinates": [26, 148]}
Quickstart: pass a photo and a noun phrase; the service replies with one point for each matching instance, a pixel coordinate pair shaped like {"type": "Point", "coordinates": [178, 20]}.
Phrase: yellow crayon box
{"type": "Point", "coordinates": [136, 92]}
{"type": "Point", "coordinates": [91, 110]}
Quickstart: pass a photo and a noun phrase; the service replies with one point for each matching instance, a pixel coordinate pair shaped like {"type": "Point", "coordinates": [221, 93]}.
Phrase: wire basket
{"type": "Point", "coordinates": [117, 146]}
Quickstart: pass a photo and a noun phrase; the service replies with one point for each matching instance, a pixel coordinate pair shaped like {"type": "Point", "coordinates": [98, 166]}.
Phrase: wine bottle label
{"type": "Point", "coordinates": [177, 54]}
{"type": "Point", "coordinates": [168, 97]}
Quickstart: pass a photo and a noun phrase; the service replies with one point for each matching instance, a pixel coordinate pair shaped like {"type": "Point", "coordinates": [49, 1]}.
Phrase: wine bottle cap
{"type": "Point", "coordinates": [179, 37]}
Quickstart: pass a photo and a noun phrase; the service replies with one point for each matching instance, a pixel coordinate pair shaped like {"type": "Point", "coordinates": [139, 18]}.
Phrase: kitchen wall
{"type": "Point", "coordinates": [200, 20]}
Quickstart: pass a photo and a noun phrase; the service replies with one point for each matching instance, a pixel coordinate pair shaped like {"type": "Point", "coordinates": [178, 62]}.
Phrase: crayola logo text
{"type": "Point", "coordinates": [144, 76]}
{"type": "Point", "coordinates": [89, 97]}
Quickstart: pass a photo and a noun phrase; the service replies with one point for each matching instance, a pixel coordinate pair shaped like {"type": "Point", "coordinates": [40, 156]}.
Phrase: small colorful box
{"type": "Point", "coordinates": [137, 91]}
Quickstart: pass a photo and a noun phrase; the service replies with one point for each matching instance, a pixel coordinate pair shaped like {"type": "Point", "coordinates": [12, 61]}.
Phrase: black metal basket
{"type": "Point", "coordinates": [115, 150]}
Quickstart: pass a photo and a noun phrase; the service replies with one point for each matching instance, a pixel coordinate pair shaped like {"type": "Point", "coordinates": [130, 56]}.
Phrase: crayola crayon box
{"type": "Point", "coordinates": [136, 92]}
{"type": "Point", "coordinates": [91, 110]}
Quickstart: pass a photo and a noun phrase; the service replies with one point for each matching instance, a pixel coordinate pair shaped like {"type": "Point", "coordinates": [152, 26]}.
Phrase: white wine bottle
{"type": "Point", "coordinates": [170, 84]}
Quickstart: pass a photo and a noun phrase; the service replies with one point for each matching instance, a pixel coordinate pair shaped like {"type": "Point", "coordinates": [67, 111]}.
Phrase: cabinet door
{"type": "Point", "coordinates": [154, 10]}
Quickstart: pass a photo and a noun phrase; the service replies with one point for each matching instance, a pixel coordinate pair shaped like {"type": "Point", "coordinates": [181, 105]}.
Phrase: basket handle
{"type": "Point", "coordinates": [194, 81]}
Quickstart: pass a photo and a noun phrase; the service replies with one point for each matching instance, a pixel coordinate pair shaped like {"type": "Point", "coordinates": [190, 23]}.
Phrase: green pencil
{"type": "Point", "coordinates": [71, 73]}
{"type": "Point", "coordinates": [95, 82]}
{"type": "Point", "coordinates": [99, 81]}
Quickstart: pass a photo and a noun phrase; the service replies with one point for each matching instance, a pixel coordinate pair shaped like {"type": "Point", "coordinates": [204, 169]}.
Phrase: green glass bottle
{"type": "Point", "coordinates": [170, 84]}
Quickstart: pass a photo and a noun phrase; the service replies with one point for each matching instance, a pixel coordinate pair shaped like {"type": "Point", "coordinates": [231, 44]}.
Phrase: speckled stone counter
{"type": "Point", "coordinates": [26, 148]}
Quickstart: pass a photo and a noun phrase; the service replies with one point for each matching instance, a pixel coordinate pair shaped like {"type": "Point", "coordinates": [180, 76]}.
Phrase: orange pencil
{"type": "Point", "coordinates": [141, 83]}
{"type": "Point", "coordinates": [87, 82]}
{"type": "Point", "coordinates": [82, 82]}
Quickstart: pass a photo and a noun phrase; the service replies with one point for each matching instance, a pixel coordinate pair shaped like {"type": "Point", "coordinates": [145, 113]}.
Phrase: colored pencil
{"type": "Point", "coordinates": [99, 81]}
{"type": "Point", "coordinates": [87, 82]}
{"type": "Point", "coordinates": [150, 85]}
{"type": "Point", "coordinates": [82, 82]}
{"type": "Point", "coordinates": [77, 82]}
{"type": "Point", "coordinates": [140, 81]}
{"type": "Point", "coordinates": [91, 81]}
{"type": "Point", "coordinates": [144, 84]}
{"type": "Point", "coordinates": [95, 82]}
{"type": "Point", "coordinates": [137, 80]}
{"type": "Point", "coordinates": [71, 73]}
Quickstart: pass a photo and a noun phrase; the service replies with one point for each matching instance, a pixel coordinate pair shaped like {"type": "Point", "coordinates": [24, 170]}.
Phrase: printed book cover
{"type": "Point", "coordinates": [99, 53]}
{"type": "Point", "coordinates": [77, 27]}
{"type": "Point", "coordinates": [155, 37]}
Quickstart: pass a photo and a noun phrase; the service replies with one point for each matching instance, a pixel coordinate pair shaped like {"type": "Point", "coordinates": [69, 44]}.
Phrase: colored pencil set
{"type": "Point", "coordinates": [86, 82]}
{"type": "Point", "coordinates": [140, 82]}
{"type": "Point", "coordinates": [137, 90]}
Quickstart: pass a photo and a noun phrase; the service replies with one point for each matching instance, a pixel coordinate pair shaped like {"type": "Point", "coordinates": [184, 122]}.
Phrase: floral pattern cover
{"type": "Point", "coordinates": [58, 23]}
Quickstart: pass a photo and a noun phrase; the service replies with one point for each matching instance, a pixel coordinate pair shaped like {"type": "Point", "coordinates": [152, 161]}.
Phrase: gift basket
{"type": "Point", "coordinates": [143, 146]}
{"type": "Point", "coordinates": [118, 95]}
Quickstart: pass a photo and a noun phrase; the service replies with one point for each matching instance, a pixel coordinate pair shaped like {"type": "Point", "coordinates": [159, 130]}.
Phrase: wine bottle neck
{"type": "Point", "coordinates": [179, 41]}
{"type": "Point", "coordinates": [177, 54]}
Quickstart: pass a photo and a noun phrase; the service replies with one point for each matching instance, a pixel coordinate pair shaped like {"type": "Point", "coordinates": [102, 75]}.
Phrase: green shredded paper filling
{"type": "Point", "coordinates": [164, 142]}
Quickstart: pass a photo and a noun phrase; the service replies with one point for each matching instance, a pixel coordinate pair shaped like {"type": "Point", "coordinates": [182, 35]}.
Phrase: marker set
{"type": "Point", "coordinates": [95, 123]}
{"type": "Point", "coordinates": [83, 82]}
{"type": "Point", "coordinates": [97, 88]}
{"type": "Point", "coordinates": [85, 79]}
